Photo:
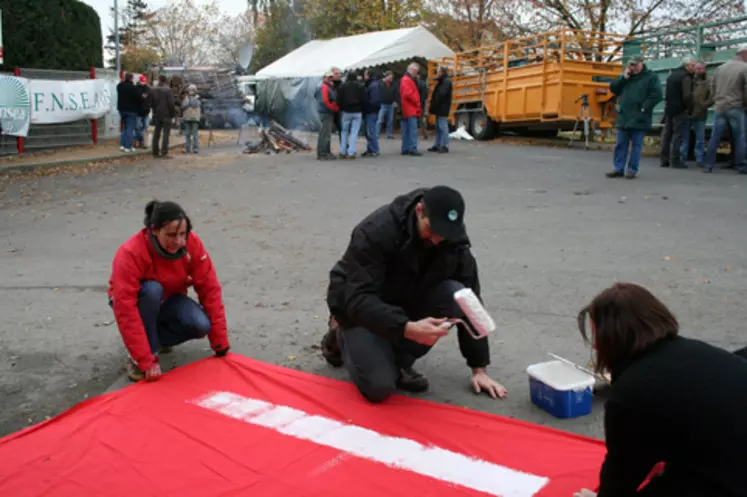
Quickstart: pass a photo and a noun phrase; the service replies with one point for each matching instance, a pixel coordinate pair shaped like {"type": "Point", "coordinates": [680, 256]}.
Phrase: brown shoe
{"type": "Point", "coordinates": [331, 344]}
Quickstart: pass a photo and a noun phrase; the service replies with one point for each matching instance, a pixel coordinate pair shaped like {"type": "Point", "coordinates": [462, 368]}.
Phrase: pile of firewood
{"type": "Point", "coordinates": [275, 139]}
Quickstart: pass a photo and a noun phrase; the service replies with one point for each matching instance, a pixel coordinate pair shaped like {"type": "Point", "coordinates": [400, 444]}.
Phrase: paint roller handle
{"type": "Point", "coordinates": [426, 331]}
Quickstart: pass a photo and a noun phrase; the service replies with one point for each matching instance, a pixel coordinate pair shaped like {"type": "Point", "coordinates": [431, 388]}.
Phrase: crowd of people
{"type": "Point", "coordinates": [140, 104]}
{"type": "Point", "coordinates": [690, 92]}
{"type": "Point", "coordinates": [371, 103]}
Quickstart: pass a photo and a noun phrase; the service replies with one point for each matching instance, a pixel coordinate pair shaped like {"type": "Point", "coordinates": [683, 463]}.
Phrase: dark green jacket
{"type": "Point", "coordinates": [636, 99]}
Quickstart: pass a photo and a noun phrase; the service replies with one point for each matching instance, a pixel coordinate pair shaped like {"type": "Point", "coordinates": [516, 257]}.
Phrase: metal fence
{"type": "Point", "coordinates": [8, 144]}
{"type": "Point", "coordinates": [50, 136]}
{"type": "Point", "coordinates": [108, 126]}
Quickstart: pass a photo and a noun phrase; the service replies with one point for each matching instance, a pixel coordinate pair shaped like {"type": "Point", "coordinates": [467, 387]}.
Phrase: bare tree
{"type": "Point", "coordinates": [184, 31]}
{"type": "Point", "coordinates": [464, 24]}
{"type": "Point", "coordinates": [232, 34]}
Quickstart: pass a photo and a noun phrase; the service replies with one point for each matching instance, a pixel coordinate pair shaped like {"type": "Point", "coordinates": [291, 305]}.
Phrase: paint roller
{"type": "Point", "coordinates": [475, 313]}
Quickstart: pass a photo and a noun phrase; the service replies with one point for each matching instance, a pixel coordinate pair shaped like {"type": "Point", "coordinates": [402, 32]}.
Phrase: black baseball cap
{"type": "Point", "coordinates": [445, 208]}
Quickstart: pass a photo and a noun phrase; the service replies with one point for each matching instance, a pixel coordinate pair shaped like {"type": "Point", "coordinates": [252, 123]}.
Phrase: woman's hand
{"type": "Point", "coordinates": [153, 373]}
{"type": "Point", "coordinates": [481, 382]}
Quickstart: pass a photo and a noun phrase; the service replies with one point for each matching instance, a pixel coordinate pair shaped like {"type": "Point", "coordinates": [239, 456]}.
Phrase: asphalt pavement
{"type": "Point", "coordinates": [548, 229]}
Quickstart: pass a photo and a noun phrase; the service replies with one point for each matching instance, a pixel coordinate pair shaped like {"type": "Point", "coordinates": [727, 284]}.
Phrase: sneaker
{"type": "Point", "coordinates": [330, 344]}
{"type": "Point", "coordinates": [631, 175]}
{"type": "Point", "coordinates": [122, 149]}
{"type": "Point", "coordinates": [412, 381]}
{"type": "Point", "coordinates": [133, 372]}
{"type": "Point", "coordinates": [415, 153]}
{"type": "Point", "coordinates": [614, 174]}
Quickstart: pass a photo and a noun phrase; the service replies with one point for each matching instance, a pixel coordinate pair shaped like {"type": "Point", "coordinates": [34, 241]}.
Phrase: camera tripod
{"type": "Point", "coordinates": [584, 113]}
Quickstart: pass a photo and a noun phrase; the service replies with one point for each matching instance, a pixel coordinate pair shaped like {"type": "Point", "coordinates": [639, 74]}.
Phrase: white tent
{"type": "Point", "coordinates": [356, 52]}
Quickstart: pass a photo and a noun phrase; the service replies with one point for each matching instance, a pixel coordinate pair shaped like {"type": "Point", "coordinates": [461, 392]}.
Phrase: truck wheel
{"type": "Point", "coordinates": [482, 126]}
{"type": "Point", "coordinates": [464, 119]}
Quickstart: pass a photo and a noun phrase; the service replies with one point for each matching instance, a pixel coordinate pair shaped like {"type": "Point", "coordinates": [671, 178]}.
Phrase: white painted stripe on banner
{"type": "Point", "coordinates": [395, 452]}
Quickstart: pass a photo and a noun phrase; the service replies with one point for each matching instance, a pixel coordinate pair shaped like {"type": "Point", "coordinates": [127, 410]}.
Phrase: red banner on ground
{"type": "Point", "coordinates": [238, 427]}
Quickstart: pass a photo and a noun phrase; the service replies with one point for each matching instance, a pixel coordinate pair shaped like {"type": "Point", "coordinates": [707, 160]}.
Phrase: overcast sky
{"type": "Point", "coordinates": [107, 21]}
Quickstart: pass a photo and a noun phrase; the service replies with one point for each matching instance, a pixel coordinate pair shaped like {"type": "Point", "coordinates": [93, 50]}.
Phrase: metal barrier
{"type": "Point", "coordinates": [108, 127]}
{"type": "Point", "coordinates": [50, 136]}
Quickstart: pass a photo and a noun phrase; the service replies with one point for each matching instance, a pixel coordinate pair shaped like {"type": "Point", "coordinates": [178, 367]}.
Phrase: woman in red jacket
{"type": "Point", "coordinates": [151, 273]}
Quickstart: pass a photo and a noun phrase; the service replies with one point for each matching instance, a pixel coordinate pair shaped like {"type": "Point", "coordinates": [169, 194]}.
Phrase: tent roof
{"type": "Point", "coordinates": [356, 52]}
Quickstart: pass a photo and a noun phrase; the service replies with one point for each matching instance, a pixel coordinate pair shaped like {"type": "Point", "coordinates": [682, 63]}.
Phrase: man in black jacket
{"type": "Point", "coordinates": [386, 114]}
{"type": "Point", "coordinates": [129, 101]}
{"type": "Point", "coordinates": [678, 103]}
{"type": "Point", "coordinates": [393, 290]}
{"type": "Point", "coordinates": [164, 111]}
{"type": "Point", "coordinates": [440, 107]}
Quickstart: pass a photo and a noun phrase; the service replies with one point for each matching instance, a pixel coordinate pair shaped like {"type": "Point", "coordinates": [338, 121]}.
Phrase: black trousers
{"type": "Point", "coordinates": [161, 125]}
{"type": "Point", "coordinates": [671, 139]}
{"type": "Point", "coordinates": [373, 361]}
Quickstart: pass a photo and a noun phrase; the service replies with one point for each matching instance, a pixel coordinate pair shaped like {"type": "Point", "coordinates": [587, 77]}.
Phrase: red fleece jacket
{"type": "Point", "coordinates": [410, 95]}
{"type": "Point", "coordinates": [136, 261]}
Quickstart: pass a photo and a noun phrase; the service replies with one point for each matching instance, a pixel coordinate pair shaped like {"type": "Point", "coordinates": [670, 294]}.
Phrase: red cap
{"type": "Point", "coordinates": [143, 79]}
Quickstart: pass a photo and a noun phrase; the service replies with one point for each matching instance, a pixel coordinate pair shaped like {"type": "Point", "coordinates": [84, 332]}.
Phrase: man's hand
{"type": "Point", "coordinates": [426, 331]}
{"type": "Point", "coordinates": [153, 373]}
{"type": "Point", "coordinates": [585, 493]}
{"type": "Point", "coordinates": [626, 74]}
{"type": "Point", "coordinates": [481, 382]}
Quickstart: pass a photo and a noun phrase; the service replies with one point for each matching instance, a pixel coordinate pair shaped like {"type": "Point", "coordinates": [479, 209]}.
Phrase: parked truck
{"type": "Point", "coordinates": [534, 86]}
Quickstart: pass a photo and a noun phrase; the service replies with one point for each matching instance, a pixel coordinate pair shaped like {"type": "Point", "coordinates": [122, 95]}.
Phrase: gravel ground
{"type": "Point", "coordinates": [549, 231]}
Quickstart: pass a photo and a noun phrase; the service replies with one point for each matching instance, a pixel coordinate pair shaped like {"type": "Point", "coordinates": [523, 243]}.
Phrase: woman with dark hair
{"type": "Point", "coordinates": [673, 400]}
{"type": "Point", "coordinates": [151, 273]}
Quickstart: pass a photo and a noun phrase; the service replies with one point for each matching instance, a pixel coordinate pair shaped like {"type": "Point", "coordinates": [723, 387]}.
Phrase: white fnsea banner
{"type": "Point", "coordinates": [68, 101]}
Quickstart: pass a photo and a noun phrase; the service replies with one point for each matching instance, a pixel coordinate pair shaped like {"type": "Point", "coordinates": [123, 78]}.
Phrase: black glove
{"type": "Point", "coordinates": [222, 352]}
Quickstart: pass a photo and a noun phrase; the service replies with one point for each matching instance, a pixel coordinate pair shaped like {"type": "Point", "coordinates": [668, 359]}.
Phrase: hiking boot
{"type": "Point", "coordinates": [331, 344]}
{"type": "Point", "coordinates": [133, 372]}
{"type": "Point", "coordinates": [412, 381]}
{"type": "Point", "coordinates": [614, 174]}
{"type": "Point", "coordinates": [631, 176]}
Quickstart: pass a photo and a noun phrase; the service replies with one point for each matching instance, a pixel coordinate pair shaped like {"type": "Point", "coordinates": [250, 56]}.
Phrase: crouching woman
{"type": "Point", "coordinates": [673, 400]}
{"type": "Point", "coordinates": [151, 274]}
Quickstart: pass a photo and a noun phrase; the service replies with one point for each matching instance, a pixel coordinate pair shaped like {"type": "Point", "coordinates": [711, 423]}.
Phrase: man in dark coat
{"type": "Point", "coordinates": [371, 108]}
{"type": "Point", "coordinates": [129, 101]}
{"type": "Point", "coordinates": [440, 107]}
{"type": "Point", "coordinates": [386, 115]}
{"type": "Point", "coordinates": [638, 90]}
{"type": "Point", "coordinates": [164, 111]}
{"type": "Point", "coordinates": [678, 102]}
{"type": "Point", "coordinates": [393, 290]}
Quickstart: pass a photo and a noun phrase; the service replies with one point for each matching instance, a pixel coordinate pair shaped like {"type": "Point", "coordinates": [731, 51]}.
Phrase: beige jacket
{"type": "Point", "coordinates": [191, 108]}
{"type": "Point", "coordinates": [729, 87]}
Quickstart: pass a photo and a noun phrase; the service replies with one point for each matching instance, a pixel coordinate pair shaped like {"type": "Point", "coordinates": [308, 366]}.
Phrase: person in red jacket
{"type": "Point", "coordinates": [151, 273]}
{"type": "Point", "coordinates": [411, 110]}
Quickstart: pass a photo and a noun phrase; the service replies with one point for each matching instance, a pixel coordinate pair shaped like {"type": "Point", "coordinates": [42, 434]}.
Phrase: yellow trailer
{"type": "Point", "coordinates": [534, 85]}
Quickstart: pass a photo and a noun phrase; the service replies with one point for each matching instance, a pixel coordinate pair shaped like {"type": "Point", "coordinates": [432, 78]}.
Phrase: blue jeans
{"type": "Point", "coordinates": [128, 129]}
{"type": "Point", "coordinates": [141, 124]}
{"type": "Point", "coordinates": [170, 322]}
{"type": "Point", "coordinates": [625, 138]}
{"type": "Point", "coordinates": [699, 130]}
{"type": "Point", "coordinates": [409, 134]}
{"type": "Point", "coordinates": [733, 118]}
{"type": "Point", "coordinates": [192, 133]}
{"type": "Point", "coordinates": [442, 132]}
{"type": "Point", "coordinates": [386, 113]}
{"type": "Point", "coordinates": [372, 133]}
{"type": "Point", "coordinates": [351, 126]}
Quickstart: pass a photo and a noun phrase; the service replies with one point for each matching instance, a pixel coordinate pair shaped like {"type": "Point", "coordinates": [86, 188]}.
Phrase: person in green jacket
{"type": "Point", "coordinates": [638, 90]}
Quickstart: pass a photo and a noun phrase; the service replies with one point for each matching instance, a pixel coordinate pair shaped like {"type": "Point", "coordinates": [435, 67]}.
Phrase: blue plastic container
{"type": "Point", "coordinates": [560, 389]}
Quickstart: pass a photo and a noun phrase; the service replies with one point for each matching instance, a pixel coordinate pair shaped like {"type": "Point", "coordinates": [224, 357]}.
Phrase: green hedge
{"type": "Point", "coordinates": [51, 34]}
